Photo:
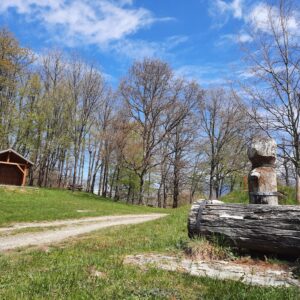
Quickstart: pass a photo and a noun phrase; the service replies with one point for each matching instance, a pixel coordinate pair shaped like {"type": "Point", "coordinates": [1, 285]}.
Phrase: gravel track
{"type": "Point", "coordinates": [71, 228]}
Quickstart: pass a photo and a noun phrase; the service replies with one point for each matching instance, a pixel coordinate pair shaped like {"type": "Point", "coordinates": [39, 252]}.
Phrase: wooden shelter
{"type": "Point", "coordinates": [13, 168]}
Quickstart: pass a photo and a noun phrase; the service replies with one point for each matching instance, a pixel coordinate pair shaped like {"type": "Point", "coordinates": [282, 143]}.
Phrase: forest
{"type": "Point", "coordinates": [156, 138]}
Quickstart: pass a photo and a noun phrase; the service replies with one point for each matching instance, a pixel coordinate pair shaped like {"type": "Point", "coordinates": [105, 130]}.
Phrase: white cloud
{"type": "Point", "coordinates": [138, 49]}
{"type": "Point", "coordinates": [206, 75]}
{"type": "Point", "coordinates": [246, 74]}
{"type": "Point", "coordinates": [262, 15]}
{"type": "Point", "coordinates": [92, 22]}
{"type": "Point", "coordinates": [245, 38]}
{"type": "Point", "coordinates": [258, 16]}
{"type": "Point", "coordinates": [235, 7]}
{"type": "Point", "coordinates": [221, 10]}
{"type": "Point", "coordinates": [29, 6]}
{"type": "Point", "coordinates": [226, 39]}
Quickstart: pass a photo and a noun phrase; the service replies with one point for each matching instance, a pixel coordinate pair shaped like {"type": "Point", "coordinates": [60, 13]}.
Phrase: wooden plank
{"type": "Point", "coordinates": [13, 164]}
{"type": "Point", "coordinates": [10, 174]}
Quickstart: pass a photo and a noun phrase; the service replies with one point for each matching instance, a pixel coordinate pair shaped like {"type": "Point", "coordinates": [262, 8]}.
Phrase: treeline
{"type": "Point", "coordinates": [156, 139]}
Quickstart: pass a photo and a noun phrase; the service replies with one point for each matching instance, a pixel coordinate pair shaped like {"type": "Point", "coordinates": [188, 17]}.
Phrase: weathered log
{"type": "Point", "coordinates": [259, 228]}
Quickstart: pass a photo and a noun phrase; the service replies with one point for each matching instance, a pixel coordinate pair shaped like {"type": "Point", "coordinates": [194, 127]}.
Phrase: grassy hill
{"type": "Point", "coordinates": [24, 205]}
{"type": "Point", "coordinates": [241, 196]}
{"type": "Point", "coordinates": [67, 270]}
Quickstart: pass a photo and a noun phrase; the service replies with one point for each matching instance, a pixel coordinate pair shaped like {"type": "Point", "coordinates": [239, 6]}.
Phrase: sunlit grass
{"type": "Point", "coordinates": [67, 270]}
{"type": "Point", "coordinates": [25, 205]}
{"type": "Point", "coordinates": [286, 196]}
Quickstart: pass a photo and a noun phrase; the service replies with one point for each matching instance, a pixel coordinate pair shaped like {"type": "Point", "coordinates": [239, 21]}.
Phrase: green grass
{"type": "Point", "coordinates": [25, 205]}
{"type": "Point", "coordinates": [241, 196]}
{"type": "Point", "coordinates": [236, 197]}
{"type": "Point", "coordinates": [290, 195]}
{"type": "Point", "coordinates": [64, 271]}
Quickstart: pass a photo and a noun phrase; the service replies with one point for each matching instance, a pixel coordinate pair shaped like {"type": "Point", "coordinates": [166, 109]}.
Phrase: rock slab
{"type": "Point", "coordinates": [223, 270]}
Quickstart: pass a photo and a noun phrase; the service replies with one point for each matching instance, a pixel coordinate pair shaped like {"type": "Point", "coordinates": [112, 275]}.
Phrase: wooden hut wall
{"type": "Point", "coordinates": [10, 175]}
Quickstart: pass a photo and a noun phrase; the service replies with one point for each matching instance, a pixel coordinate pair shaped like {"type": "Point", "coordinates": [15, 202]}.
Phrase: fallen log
{"type": "Point", "coordinates": [259, 228]}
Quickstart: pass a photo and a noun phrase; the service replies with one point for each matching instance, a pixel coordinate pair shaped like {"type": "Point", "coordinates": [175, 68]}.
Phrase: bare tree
{"type": "Point", "coordinates": [86, 88]}
{"type": "Point", "coordinates": [223, 126]}
{"type": "Point", "coordinates": [274, 81]}
{"type": "Point", "coordinates": [182, 136]}
{"type": "Point", "coordinates": [150, 93]}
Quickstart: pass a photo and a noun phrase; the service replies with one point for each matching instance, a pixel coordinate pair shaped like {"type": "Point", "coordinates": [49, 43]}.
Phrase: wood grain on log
{"type": "Point", "coordinates": [260, 228]}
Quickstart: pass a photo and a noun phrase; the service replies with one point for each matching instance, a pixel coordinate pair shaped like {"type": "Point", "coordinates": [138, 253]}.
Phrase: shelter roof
{"type": "Point", "coordinates": [21, 157]}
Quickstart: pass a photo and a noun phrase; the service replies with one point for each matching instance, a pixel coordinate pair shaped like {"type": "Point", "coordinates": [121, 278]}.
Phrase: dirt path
{"type": "Point", "coordinates": [71, 228]}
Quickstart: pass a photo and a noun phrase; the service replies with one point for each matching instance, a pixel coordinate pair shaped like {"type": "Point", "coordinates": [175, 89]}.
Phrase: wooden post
{"type": "Point", "coordinates": [24, 176]}
{"type": "Point", "coordinates": [262, 178]}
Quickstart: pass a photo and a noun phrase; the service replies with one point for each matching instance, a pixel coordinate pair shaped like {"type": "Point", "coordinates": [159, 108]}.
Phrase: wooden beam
{"type": "Point", "coordinates": [23, 172]}
{"type": "Point", "coordinates": [22, 167]}
{"type": "Point", "coordinates": [13, 164]}
{"type": "Point", "coordinates": [24, 177]}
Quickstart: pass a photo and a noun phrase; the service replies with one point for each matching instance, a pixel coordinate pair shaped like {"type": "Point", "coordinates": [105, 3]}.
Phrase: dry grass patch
{"type": "Point", "coordinates": [202, 249]}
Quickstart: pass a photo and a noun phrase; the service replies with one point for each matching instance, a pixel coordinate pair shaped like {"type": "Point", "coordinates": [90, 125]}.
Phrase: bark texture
{"type": "Point", "coordinates": [259, 228]}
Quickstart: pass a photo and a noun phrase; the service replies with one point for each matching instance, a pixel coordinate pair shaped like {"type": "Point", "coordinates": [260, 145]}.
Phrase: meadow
{"type": "Point", "coordinates": [91, 266]}
{"type": "Point", "coordinates": [32, 204]}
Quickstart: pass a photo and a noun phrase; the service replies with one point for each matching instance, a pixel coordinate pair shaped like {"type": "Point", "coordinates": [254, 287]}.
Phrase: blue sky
{"type": "Point", "coordinates": [199, 38]}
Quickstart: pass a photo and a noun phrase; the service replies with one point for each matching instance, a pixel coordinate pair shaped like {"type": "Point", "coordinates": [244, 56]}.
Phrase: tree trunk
{"type": "Point", "coordinates": [92, 186]}
{"type": "Point", "coordinates": [165, 195]}
{"type": "Point", "coordinates": [82, 163]}
{"type": "Point", "coordinates": [75, 173]}
{"type": "Point", "coordinates": [112, 182]}
{"type": "Point", "coordinates": [286, 172]}
{"type": "Point", "coordinates": [298, 186]}
{"type": "Point", "coordinates": [105, 178]}
{"type": "Point", "coordinates": [117, 187]}
{"type": "Point", "coordinates": [175, 189]}
{"type": "Point", "coordinates": [100, 179]}
{"type": "Point", "coordinates": [159, 202]}
{"type": "Point", "coordinates": [66, 175]}
{"type": "Point", "coordinates": [259, 228]}
{"type": "Point", "coordinates": [176, 176]}
{"type": "Point", "coordinates": [61, 169]}
{"type": "Point", "coordinates": [141, 191]}
{"type": "Point", "coordinates": [88, 182]}
{"type": "Point", "coordinates": [128, 194]}
{"type": "Point", "coordinates": [211, 187]}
